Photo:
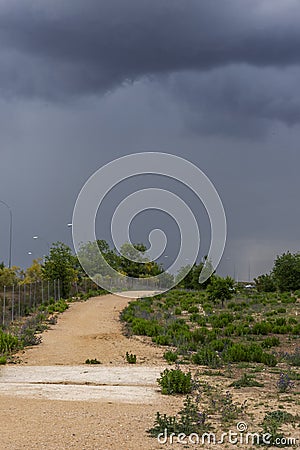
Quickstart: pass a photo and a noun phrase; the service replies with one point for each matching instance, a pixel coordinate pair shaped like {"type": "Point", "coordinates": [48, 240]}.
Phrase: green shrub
{"type": "Point", "coordinates": [92, 361]}
{"type": "Point", "coordinates": [262, 328]}
{"type": "Point", "coordinates": [170, 356]}
{"type": "Point", "coordinates": [8, 342]}
{"type": "Point", "coordinates": [249, 353]}
{"type": "Point", "coordinates": [207, 357]}
{"type": "Point", "coordinates": [130, 358]}
{"type": "Point", "coordinates": [175, 381]}
{"type": "Point", "coordinates": [246, 381]}
{"type": "Point", "coordinates": [188, 420]}
{"type": "Point", "coordinates": [269, 342]}
{"type": "Point", "coordinates": [3, 360]}
{"type": "Point", "coordinates": [162, 339]}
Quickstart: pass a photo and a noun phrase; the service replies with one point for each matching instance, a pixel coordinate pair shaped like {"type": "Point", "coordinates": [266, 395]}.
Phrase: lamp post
{"type": "Point", "coordinates": [10, 231]}
{"type": "Point", "coordinates": [39, 237]}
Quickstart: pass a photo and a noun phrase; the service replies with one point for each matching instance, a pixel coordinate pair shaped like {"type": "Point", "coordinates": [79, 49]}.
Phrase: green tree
{"type": "Point", "coordinates": [92, 260]}
{"type": "Point", "coordinates": [34, 272]}
{"type": "Point", "coordinates": [191, 278]}
{"type": "Point", "coordinates": [60, 264]}
{"type": "Point", "coordinates": [265, 283]}
{"type": "Point", "coordinates": [286, 272]}
{"type": "Point", "coordinates": [9, 276]}
{"type": "Point", "coordinates": [133, 263]}
{"type": "Point", "coordinates": [220, 289]}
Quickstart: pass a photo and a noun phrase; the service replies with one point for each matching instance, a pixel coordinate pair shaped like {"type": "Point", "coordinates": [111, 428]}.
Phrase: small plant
{"type": "Point", "coordinates": [175, 381]}
{"type": "Point", "coordinates": [271, 341]}
{"type": "Point", "coordinates": [284, 384]}
{"type": "Point", "coordinates": [171, 357]}
{"type": "Point", "coordinates": [164, 424]}
{"type": "Point", "coordinates": [3, 360]}
{"type": "Point", "coordinates": [92, 361]}
{"type": "Point", "coordinates": [188, 420]}
{"type": "Point", "coordinates": [246, 381]}
{"type": "Point", "coordinates": [230, 411]}
{"type": "Point", "coordinates": [273, 420]}
{"type": "Point", "coordinates": [8, 342]}
{"type": "Point", "coordinates": [293, 358]}
{"type": "Point", "coordinates": [130, 358]}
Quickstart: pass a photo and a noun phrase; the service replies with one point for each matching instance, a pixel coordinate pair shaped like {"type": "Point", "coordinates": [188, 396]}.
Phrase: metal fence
{"type": "Point", "coordinates": [19, 300]}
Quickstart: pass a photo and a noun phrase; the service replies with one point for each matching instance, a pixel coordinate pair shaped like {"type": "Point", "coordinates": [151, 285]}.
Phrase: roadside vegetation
{"type": "Point", "coordinates": [232, 352]}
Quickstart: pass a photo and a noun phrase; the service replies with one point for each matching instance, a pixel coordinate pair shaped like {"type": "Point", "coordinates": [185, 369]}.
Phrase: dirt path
{"type": "Point", "coordinates": [89, 330]}
{"type": "Point", "coordinates": [52, 401]}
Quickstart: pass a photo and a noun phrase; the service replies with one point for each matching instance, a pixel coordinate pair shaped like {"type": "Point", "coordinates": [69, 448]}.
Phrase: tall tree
{"type": "Point", "coordinates": [286, 271]}
{"type": "Point", "coordinates": [60, 264]}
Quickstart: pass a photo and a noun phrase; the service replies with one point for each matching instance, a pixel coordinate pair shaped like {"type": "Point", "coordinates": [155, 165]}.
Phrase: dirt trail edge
{"type": "Point", "coordinates": [88, 330]}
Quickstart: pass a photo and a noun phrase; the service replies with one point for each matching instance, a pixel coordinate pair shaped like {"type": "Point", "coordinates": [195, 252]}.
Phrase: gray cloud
{"type": "Point", "coordinates": [65, 48]}
{"type": "Point", "coordinates": [237, 100]}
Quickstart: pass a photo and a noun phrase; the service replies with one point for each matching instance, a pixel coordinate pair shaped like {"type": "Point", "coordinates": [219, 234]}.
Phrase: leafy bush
{"type": "Point", "coordinates": [269, 342]}
{"type": "Point", "coordinates": [170, 356]}
{"type": "Point", "coordinates": [175, 381]}
{"type": "Point", "coordinates": [262, 328]}
{"type": "Point", "coordinates": [207, 357]}
{"type": "Point", "coordinates": [59, 306]}
{"type": "Point", "coordinates": [249, 353]}
{"type": "Point", "coordinates": [8, 342]}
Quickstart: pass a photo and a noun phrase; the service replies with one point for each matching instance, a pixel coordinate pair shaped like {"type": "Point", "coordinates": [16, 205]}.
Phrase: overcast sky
{"type": "Point", "coordinates": [83, 82]}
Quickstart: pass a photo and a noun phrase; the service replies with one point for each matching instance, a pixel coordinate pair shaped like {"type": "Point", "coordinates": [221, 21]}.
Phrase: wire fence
{"type": "Point", "coordinates": [20, 300]}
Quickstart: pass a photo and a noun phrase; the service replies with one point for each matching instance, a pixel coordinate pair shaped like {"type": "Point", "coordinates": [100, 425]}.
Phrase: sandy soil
{"type": "Point", "coordinates": [52, 401]}
{"type": "Point", "coordinates": [91, 329]}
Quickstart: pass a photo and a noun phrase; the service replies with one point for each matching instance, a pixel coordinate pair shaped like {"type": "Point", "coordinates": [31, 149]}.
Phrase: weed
{"type": "Point", "coordinates": [284, 384]}
{"type": "Point", "coordinates": [188, 420]}
{"type": "Point", "coordinates": [92, 361]}
{"type": "Point", "coordinates": [130, 358]}
{"type": "Point", "coordinates": [246, 381]}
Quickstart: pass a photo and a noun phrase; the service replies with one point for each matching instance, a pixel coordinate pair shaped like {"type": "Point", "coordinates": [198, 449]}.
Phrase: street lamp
{"type": "Point", "coordinates": [10, 231]}
{"type": "Point", "coordinates": [39, 237]}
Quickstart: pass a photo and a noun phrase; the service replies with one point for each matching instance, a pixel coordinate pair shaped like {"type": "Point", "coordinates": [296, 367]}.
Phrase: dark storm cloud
{"type": "Point", "coordinates": [58, 48]}
{"type": "Point", "coordinates": [238, 100]}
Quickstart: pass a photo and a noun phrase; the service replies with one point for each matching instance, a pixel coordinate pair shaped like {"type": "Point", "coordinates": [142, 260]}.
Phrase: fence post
{"type": "Point", "coordinates": [42, 291]}
{"type": "Point", "coordinates": [30, 291]}
{"type": "Point", "coordinates": [34, 295]}
{"type": "Point", "coordinates": [3, 310]}
{"type": "Point", "coordinates": [19, 302]}
{"type": "Point", "coordinates": [12, 302]}
{"type": "Point", "coordinates": [58, 289]}
{"type": "Point", "coordinates": [24, 310]}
